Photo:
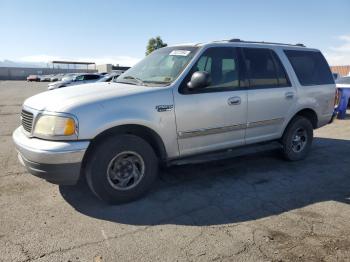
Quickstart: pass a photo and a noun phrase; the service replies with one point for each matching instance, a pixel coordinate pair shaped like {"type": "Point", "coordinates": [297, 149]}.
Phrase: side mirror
{"type": "Point", "coordinates": [199, 79]}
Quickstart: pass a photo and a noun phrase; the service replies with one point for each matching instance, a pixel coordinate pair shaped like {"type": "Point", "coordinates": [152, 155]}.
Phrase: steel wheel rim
{"type": "Point", "coordinates": [299, 140]}
{"type": "Point", "coordinates": [125, 170]}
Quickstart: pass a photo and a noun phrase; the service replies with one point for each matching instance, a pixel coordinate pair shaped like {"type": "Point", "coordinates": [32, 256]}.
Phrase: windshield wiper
{"type": "Point", "coordinates": [157, 82]}
{"type": "Point", "coordinates": [138, 80]}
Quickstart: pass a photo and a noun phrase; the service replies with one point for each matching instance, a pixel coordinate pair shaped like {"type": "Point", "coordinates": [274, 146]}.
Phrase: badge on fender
{"type": "Point", "coordinates": [163, 108]}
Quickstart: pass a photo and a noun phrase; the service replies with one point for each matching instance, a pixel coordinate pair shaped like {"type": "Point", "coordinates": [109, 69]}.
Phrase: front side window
{"type": "Point", "coordinates": [310, 67]}
{"type": "Point", "coordinates": [223, 67]}
{"type": "Point", "coordinates": [159, 68]}
{"type": "Point", "coordinates": [79, 78]}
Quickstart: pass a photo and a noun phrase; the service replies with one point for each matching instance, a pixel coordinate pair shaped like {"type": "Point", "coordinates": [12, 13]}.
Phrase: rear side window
{"type": "Point", "coordinates": [310, 67]}
{"type": "Point", "coordinates": [265, 69]}
{"type": "Point", "coordinates": [282, 78]}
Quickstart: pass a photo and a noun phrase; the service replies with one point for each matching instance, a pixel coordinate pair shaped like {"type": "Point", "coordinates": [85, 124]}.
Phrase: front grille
{"type": "Point", "coordinates": [27, 120]}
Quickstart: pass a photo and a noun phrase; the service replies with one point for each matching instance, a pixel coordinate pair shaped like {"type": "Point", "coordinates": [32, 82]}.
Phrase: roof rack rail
{"type": "Point", "coordinates": [262, 42]}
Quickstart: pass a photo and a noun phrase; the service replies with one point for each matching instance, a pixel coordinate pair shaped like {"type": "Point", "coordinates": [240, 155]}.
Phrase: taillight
{"type": "Point", "coordinates": [337, 97]}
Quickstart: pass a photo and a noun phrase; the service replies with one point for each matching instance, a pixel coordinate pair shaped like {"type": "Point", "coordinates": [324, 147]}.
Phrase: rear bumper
{"type": "Point", "coordinates": [325, 119]}
{"type": "Point", "coordinates": [58, 162]}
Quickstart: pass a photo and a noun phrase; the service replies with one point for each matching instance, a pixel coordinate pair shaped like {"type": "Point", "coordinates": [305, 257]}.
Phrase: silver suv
{"type": "Point", "coordinates": [179, 104]}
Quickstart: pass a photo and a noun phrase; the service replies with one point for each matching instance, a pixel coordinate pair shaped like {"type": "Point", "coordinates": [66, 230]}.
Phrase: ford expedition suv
{"type": "Point", "coordinates": [179, 103]}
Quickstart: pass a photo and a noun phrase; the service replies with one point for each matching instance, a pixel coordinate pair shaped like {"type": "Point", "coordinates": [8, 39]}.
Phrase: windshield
{"type": "Point", "coordinates": [68, 78]}
{"type": "Point", "coordinates": [161, 67]}
{"type": "Point", "coordinates": [343, 80]}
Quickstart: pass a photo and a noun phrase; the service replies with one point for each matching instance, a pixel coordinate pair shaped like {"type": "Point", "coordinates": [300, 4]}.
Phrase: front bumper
{"type": "Point", "coordinates": [58, 162]}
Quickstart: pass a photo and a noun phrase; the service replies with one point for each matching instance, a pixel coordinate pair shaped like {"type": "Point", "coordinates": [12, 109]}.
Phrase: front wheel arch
{"type": "Point", "coordinates": [143, 132]}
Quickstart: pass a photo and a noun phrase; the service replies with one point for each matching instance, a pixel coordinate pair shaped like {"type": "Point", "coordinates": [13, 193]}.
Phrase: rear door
{"type": "Point", "coordinates": [271, 97]}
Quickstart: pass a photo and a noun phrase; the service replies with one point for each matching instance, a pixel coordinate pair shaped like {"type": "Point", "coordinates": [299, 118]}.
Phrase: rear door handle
{"type": "Point", "coordinates": [289, 95]}
{"type": "Point", "coordinates": [235, 100]}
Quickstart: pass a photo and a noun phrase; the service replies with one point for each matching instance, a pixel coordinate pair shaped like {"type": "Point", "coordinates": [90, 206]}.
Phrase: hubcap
{"type": "Point", "coordinates": [125, 170]}
{"type": "Point", "coordinates": [299, 140]}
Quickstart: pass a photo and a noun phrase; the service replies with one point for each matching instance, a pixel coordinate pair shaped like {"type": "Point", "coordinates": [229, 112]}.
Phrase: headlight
{"type": "Point", "coordinates": [55, 126]}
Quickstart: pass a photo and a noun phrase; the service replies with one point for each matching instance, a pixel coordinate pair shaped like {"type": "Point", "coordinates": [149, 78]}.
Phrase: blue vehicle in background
{"type": "Point", "coordinates": [343, 96]}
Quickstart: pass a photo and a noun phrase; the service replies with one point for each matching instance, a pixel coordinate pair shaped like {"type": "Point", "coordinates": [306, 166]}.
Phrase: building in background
{"type": "Point", "coordinates": [108, 68]}
{"type": "Point", "coordinates": [343, 70]}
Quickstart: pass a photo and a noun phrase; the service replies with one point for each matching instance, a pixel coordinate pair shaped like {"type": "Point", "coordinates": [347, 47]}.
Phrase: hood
{"type": "Point", "coordinates": [64, 99]}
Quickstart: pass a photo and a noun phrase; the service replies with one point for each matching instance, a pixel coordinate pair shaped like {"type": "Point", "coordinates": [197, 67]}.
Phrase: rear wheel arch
{"type": "Point", "coordinates": [307, 113]}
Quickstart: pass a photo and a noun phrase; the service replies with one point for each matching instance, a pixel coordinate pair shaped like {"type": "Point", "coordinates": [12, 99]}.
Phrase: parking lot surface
{"type": "Point", "coordinates": [256, 207]}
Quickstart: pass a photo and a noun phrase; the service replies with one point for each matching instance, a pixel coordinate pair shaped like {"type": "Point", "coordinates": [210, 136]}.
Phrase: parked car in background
{"type": "Point", "coordinates": [69, 76]}
{"type": "Point", "coordinates": [57, 77]}
{"type": "Point", "coordinates": [109, 77]}
{"type": "Point", "coordinates": [343, 82]}
{"type": "Point", "coordinates": [45, 78]}
{"type": "Point", "coordinates": [75, 80]}
{"type": "Point", "coordinates": [342, 96]}
{"type": "Point", "coordinates": [180, 104]}
{"type": "Point", "coordinates": [33, 78]}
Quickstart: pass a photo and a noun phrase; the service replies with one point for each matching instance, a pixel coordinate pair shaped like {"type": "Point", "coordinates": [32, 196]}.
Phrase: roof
{"type": "Point", "coordinates": [242, 42]}
{"type": "Point", "coordinates": [73, 63]}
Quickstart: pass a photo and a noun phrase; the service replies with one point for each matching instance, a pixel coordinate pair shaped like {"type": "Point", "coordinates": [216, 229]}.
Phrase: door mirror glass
{"type": "Point", "coordinates": [199, 79]}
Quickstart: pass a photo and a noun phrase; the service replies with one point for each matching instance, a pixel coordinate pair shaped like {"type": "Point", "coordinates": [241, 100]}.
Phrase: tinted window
{"type": "Point", "coordinates": [222, 65]}
{"type": "Point", "coordinates": [310, 67]}
{"type": "Point", "coordinates": [261, 67]}
{"type": "Point", "coordinates": [91, 77]}
{"type": "Point", "coordinates": [282, 78]}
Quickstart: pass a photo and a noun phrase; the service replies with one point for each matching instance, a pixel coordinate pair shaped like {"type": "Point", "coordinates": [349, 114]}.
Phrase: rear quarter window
{"type": "Point", "coordinates": [310, 67]}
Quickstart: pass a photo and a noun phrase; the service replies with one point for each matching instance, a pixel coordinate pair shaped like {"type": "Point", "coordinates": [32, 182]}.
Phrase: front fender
{"type": "Point", "coordinates": [132, 110]}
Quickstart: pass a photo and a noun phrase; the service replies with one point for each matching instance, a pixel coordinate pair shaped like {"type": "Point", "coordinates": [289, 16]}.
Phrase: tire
{"type": "Point", "coordinates": [114, 159]}
{"type": "Point", "coordinates": [297, 139]}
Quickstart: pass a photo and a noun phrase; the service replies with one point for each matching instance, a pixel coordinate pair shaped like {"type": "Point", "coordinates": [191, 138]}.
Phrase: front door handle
{"type": "Point", "coordinates": [235, 100]}
{"type": "Point", "coordinates": [289, 95]}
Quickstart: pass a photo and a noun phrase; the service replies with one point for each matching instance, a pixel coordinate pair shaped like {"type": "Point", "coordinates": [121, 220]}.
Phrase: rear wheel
{"type": "Point", "coordinates": [121, 169]}
{"type": "Point", "coordinates": [297, 139]}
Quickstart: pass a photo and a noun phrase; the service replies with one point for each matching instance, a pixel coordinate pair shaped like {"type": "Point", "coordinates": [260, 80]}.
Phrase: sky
{"type": "Point", "coordinates": [117, 31]}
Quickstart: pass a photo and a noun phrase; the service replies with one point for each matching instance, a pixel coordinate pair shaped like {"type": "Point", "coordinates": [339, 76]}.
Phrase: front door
{"type": "Point", "coordinates": [213, 117]}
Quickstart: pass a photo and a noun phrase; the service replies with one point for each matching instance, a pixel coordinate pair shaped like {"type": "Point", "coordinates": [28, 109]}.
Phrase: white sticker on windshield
{"type": "Point", "coordinates": [180, 52]}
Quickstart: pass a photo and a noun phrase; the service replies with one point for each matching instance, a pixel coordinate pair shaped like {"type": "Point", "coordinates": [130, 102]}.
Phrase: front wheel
{"type": "Point", "coordinates": [121, 168]}
{"type": "Point", "coordinates": [297, 139]}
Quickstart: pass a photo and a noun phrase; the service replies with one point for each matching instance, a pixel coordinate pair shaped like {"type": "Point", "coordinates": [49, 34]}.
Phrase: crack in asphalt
{"type": "Point", "coordinates": [14, 174]}
{"type": "Point", "coordinates": [9, 114]}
